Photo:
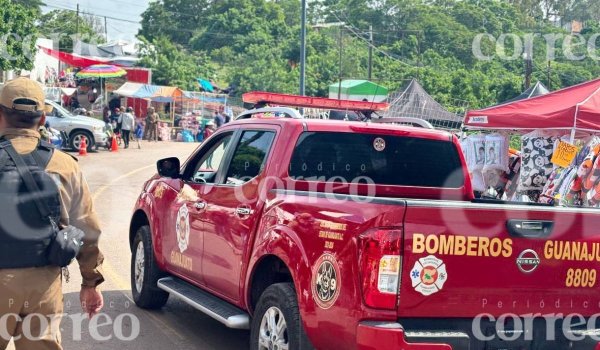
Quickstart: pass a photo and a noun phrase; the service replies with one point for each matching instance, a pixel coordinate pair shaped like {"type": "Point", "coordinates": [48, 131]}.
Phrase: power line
{"type": "Point", "coordinates": [91, 14]}
{"type": "Point", "coordinates": [108, 11]}
{"type": "Point", "coordinates": [385, 53]}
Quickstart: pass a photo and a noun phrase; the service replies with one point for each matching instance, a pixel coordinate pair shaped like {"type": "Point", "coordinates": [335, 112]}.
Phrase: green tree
{"type": "Point", "coordinates": [172, 65]}
{"type": "Point", "coordinates": [61, 25]}
{"type": "Point", "coordinates": [31, 4]}
{"type": "Point", "coordinates": [254, 44]}
{"type": "Point", "coordinates": [176, 19]}
{"type": "Point", "coordinates": [19, 35]}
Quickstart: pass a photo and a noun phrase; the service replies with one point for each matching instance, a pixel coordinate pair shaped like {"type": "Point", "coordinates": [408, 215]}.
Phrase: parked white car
{"type": "Point", "coordinates": [77, 127]}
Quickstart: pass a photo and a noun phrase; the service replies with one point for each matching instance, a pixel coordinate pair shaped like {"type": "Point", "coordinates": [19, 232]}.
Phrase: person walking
{"type": "Point", "coordinates": [31, 300]}
{"type": "Point", "coordinates": [218, 120]}
{"type": "Point", "coordinates": [127, 121]}
{"type": "Point", "coordinates": [152, 125]}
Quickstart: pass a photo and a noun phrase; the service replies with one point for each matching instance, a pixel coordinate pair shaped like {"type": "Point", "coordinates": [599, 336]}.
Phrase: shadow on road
{"type": "Point", "coordinates": [122, 325]}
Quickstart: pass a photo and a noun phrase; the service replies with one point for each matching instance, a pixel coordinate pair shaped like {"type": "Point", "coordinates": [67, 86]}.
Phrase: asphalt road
{"type": "Point", "coordinates": [115, 180]}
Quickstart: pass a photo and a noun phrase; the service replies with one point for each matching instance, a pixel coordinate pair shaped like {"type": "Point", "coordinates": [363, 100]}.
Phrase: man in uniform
{"type": "Point", "coordinates": [38, 291]}
{"type": "Point", "coordinates": [152, 125]}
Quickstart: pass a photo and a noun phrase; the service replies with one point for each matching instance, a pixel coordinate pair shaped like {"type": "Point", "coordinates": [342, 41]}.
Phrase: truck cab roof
{"type": "Point", "coordinates": [324, 125]}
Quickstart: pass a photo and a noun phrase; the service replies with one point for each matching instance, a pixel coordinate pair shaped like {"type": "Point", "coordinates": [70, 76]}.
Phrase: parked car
{"type": "Point", "coordinates": [263, 228]}
{"type": "Point", "coordinates": [77, 127]}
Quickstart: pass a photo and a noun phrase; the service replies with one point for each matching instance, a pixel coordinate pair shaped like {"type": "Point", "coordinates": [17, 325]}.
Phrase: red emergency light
{"type": "Point", "coordinates": [312, 102]}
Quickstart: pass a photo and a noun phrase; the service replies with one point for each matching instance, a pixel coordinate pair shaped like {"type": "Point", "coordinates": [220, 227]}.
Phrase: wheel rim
{"type": "Point", "coordinates": [77, 140]}
{"type": "Point", "coordinates": [273, 331]}
{"type": "Point", "coordinates": [139, 267]}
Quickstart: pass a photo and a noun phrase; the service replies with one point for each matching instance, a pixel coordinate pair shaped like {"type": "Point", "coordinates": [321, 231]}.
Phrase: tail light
{"type": "Point", "coordinates": [380, 262]}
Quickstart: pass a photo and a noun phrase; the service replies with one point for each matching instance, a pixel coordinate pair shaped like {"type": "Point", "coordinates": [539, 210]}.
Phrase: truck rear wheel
{"type": "Point", "coordinates": [145, 272]}
{"type": "Point", "coordinates": [276, 323]}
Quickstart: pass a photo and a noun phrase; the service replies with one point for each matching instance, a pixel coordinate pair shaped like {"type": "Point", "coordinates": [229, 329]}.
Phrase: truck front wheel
{"type": "Point", "coordinates": [145, 273]}
{"type": "Point", "coordinates": [276, 323]}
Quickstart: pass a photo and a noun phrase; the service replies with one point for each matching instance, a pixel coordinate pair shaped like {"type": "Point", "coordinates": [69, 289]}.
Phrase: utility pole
{"type": "Point", "coordinates": [303, 51]}
{"type": "Point", "coordinates": [370, 51]}
{"type": "Point", "coordinates": [528, 70]}
{"type": "Point", "coordinates": [340, 69]}
{"type": "Point", "coordinates": [549, 78]}
{"type": "Point", "coordinates": [105, 29]}
{"type": "Point", "coordinates": [77, 23]}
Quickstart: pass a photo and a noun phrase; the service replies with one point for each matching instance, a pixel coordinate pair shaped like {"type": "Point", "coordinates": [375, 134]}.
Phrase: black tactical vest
{"type": "Point", "coordinates": [25, 233]}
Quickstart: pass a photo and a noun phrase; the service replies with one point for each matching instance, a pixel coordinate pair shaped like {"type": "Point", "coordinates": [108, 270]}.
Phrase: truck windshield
{"type": "Point", "coordinates": [384, 159]}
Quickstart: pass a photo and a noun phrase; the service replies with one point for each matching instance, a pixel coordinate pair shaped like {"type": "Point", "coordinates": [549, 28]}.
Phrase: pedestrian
{"type": "Point", "coordinates": [139, 131]}
{"type": "Point", "coordinates": [105, 113]}
{"type": "Point", "coordinates": [31, 287]}
{"type": "Point", "coordinates": [152, 125]}
{"type": "Point", "coordinates": [209, 129]}
{"type": "Point", "coordinates": [115, 102]}
{"type": "Point", "coordinates": [92, 94]}
{"type": "Point", "coordinates": [127, 121]}
{"type": "Point", "coordinates": [227, 118]}
{"type": "Point", "coordinates": [75, 102]}
{"type": "Point", "coordinates": [218, 120]}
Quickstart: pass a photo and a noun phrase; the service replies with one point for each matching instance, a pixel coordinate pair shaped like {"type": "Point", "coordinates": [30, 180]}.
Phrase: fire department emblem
{"type": "Point", "coordinates": [182, 228]}
{"type": "Point", "coordinates": [428, 275]}
{"type": "Point", "coordinates": [379, 144]}
{"type": "Point", "coordinates": [326, 281]}
{"type": "Point", "coordinates": [159, 191]}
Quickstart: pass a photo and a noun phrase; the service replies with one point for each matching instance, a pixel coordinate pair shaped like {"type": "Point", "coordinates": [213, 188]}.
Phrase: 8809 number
{"type": "Point", "coordinates": [581, 278]}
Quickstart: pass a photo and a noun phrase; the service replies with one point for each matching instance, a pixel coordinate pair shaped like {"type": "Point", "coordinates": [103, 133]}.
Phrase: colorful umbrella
{"type": "Point", "coordinates": [101, 71]}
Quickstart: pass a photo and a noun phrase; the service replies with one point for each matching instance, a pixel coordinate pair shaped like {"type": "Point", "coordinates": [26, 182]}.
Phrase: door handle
{"type": "Point", "coordinates": [530, 228]}
{"type": "Point", "coordinates": [200, 205]}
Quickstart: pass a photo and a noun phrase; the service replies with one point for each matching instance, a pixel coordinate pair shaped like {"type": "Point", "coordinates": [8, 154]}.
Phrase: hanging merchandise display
{"type": "Point", "coordinates": [477, 181]}
{"type": "Point", "coordinates": [536, 151]}
{"type": "Point", "coordinates": [580, 184]}
{"type": "Point", "coordinates": [474, 151]}
{"type": "Point", "coordinates": [509, 181]}
{"type": "Point", "coordinates": [496, 153]}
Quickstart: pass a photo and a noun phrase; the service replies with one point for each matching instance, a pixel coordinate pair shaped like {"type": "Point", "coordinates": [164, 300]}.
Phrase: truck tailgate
{"type": "Point", "coordinates": [468, 259]}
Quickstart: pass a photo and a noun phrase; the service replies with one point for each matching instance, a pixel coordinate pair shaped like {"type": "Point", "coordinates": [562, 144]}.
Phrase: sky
{"type": "Point", "coordinates": [129, 10]}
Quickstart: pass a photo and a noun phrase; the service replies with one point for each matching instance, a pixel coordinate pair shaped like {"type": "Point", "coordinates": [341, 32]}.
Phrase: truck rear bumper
{"type": "Point", "coordinates": [373, 335]}
{"type": "Point", "coordinates": [440, 334]}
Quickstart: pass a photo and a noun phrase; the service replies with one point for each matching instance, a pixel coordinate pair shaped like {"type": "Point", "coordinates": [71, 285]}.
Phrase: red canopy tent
{"type": "Point", "coordinates": [576, 108]}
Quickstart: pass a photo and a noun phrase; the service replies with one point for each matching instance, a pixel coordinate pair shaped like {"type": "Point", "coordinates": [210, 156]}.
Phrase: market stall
{"type": "Point", "coordinates": [554, 158]}
{"type": "Point", "coordinates": [358, 90]}
{"type": "Point", "coordinates": [165, 95]}
{"type": "Point", "coordinates": [538, 89]}
{"type": "Point", "coordinates": [414, 102]}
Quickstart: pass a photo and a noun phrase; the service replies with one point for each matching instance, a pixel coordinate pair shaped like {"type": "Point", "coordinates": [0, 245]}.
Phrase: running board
{"type": "Point", "coordinates": [222, 311]}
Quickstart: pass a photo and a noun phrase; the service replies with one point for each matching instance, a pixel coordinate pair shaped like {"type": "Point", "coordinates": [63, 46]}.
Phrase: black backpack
{"type": "Point", "coordinates": [29, 206]}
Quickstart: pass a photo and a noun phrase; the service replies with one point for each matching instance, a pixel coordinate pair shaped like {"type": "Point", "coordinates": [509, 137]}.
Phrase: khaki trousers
{"type": "Point", "coordinates": [31, 307]}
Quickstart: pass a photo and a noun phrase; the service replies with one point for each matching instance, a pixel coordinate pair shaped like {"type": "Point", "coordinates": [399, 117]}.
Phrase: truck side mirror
{"type": "Point", "coordinates": [169, 167]}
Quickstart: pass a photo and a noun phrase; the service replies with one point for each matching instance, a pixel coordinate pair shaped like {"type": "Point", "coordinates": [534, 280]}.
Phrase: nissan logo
{"type": "Point", "coordinates": [528, 261]}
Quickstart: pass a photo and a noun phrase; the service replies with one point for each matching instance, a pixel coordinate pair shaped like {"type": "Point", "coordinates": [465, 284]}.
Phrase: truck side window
{"type": "Point", "coordinates": [383, 159]}
{"type": "Point", "coordinates": [250, 155]}
{"type": "Point", "coordinates": [207, 166]}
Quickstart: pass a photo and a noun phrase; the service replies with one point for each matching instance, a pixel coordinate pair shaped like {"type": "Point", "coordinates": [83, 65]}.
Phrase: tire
{"type": "Point", "coordinates": [278, 300]}
{"type": "Point", "coordinates": [75, 139]}
{"type": "Point", "coordinates": [145, 273]}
